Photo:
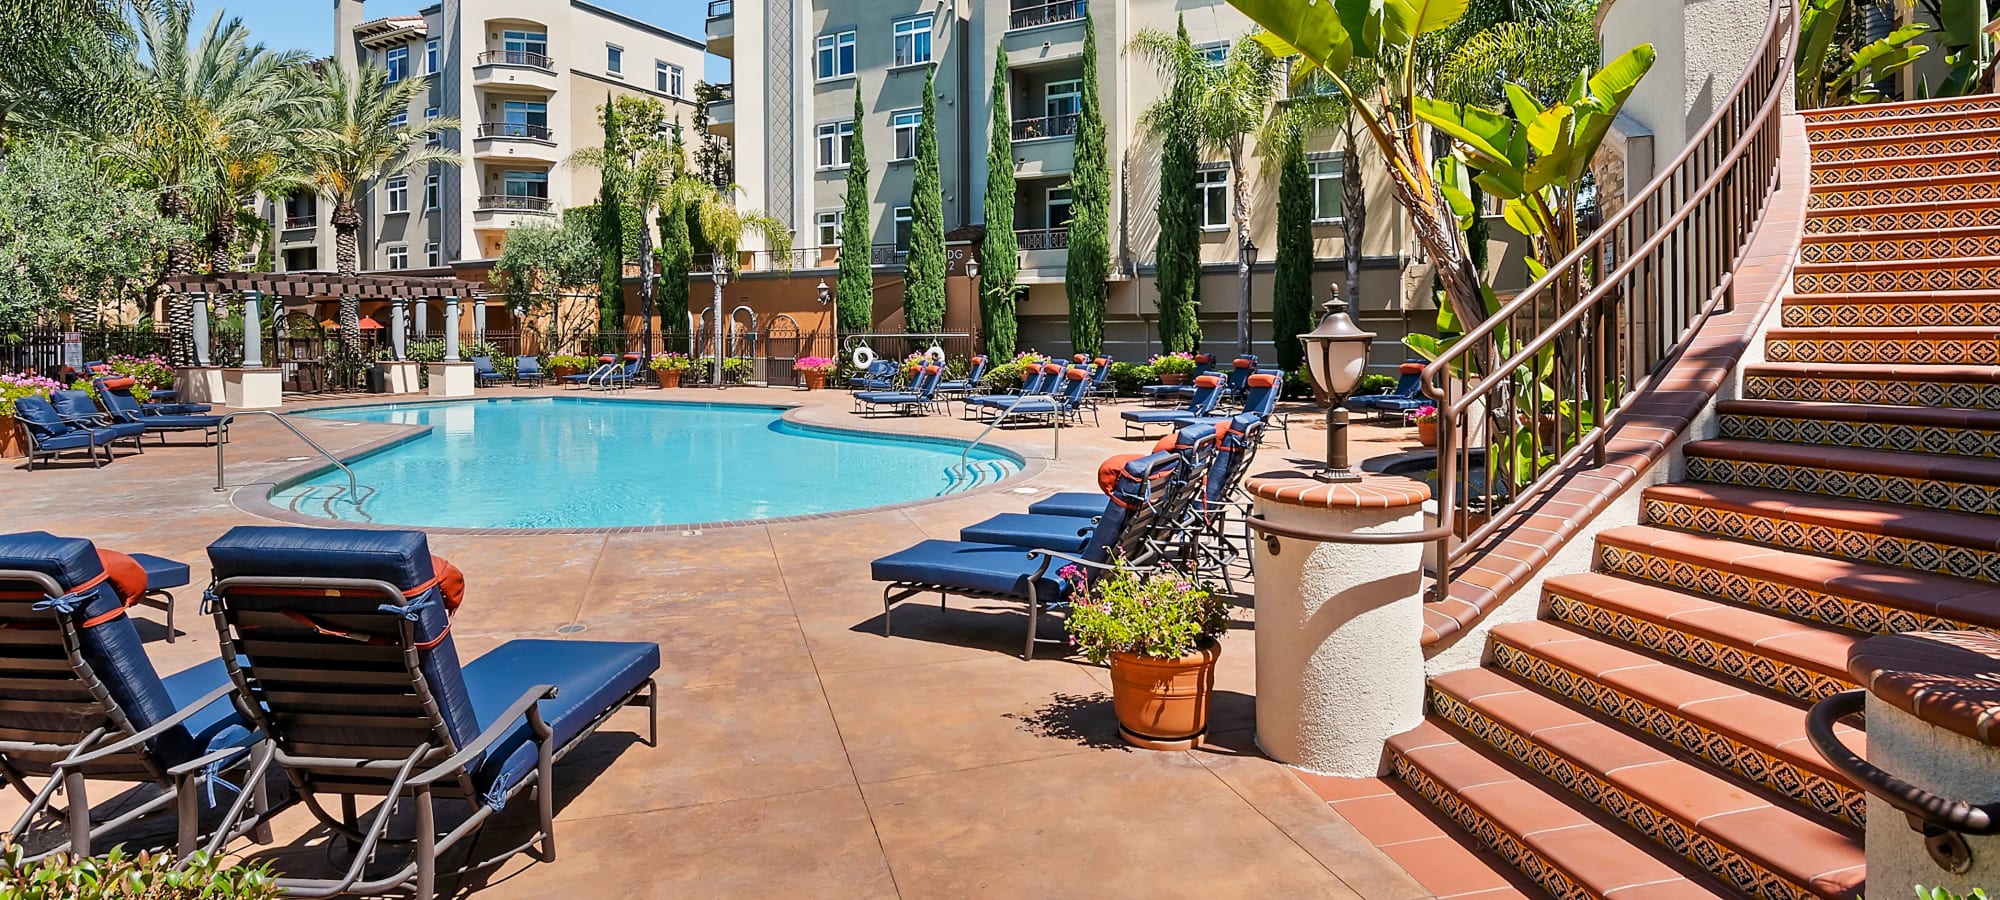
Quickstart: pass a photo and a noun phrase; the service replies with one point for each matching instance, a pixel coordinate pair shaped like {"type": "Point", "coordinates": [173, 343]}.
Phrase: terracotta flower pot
{"type": "Point", "coordinates": [1162, 704]}
{"type": "Point", "coordinates": [814, 380]}
{"type": "Point", "coordinates": [559, 372]}
{"type": "Point", "coordinates": [1427, 432]}
{"type": "Point", "coordinates": [1173, 378]}
{"type": "Point", "coordinates": [670, 378]}
{"type": "Point", "coordinates": [12, 444]}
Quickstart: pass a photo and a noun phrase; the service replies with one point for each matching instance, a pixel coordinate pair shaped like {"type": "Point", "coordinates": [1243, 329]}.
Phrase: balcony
{"type": "Point", "coordinates": [1046, 127]}
{"type": "Point", "coordinates": [1045, 33]}
{"type": "Point", "coordinates": [299, 229]}
{"type": "Point", "coordinates": [722, 28]}
{"type": "Point", "coordinates": [508, 210]}
{"type": "Point", "coordinates": [722, 112]}
{"type": "Point", "coordinates": [514, 68]}
{"type": "Point", "coordinates": [1035, 239]}
{"type": "Point", "coordinates": [1045, 146]}
{"type": "Point", "coordinates": [515, 140]}
{"type": "Point", "coordinates": [1046, 14]}
{"type": "Point", "coordinates": [768, 261]}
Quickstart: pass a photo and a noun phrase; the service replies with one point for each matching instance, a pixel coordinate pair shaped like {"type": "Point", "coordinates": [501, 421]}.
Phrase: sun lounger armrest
{"type": "Point", "coordinates": [1050, 556]}
{"type": "Point", "coordinates": [528, 704]}
{"type": "Point", "coordinates": [157, 729]}
{"type": "Point", "coordinates": [216, 757]}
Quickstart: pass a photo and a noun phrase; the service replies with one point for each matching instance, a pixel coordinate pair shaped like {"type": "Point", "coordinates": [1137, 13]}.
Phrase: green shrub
{"type": "Point", "coordinates": [1129, 377]}
{"type": "Point", "coordinates": [1159, 616]}
{"type": "Point", "coordinates": [579, 363]}
{"type": "Point", "coordinates": [735, 370]}
{"type": "Point", "coordinates": [1942, 894]}
{"type": "Point", "coordinates": [118, 876]}
{"type": "Point", "coordinates": [1173, 364]}
{"type": "Point", "coordinates": [1369, 384]}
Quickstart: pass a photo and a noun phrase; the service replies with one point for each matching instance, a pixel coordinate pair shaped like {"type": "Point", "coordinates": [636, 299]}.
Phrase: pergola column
{"type": "Point", "coordinates": [451, 328]}
{"type": "Point", "coordinates": [253, 331]}
{"type": "Point", "coordinates": [479, 317]}
{"type": "Point", "coordinates": [399, 320]}
{"type": "Point", "coordinates": [198, 301]}
{"type": "Point", "coordinates": [423, 318]}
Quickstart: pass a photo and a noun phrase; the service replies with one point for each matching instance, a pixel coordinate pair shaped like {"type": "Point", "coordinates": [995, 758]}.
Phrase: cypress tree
{"type": "Point", "coordinates": [676, 254]}
{"type": "Point", "coordinates": [999, 255]}
{"type": "Point", "coordinates": [923, 274]}
{"type": "Point", "coordinates": [610, 233]}
{"type": "Point", "coordinates": [1177, 256]}
{"type": "Point", "coordinates": [1090, 212]}
{"type": "Point", "coordinates": [1291, 287]}
{"type": "Point", "coordinates": [855, 291]}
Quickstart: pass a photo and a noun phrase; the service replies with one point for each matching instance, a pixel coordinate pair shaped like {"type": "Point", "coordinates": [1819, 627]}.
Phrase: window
{"type": "Point", "coordinates": [526, 184]}
{"type": "Point", "coordinates": [525, 119]}
{"type": "Point", "coordinates": [1214, 54]}
{"type": "Point", "coordinates": [525, 47]}
{"type": "Point", "coordinates": [1327, 189]}
{"type": "Point", "coordinates": [1062, 101]}
{"type": "Point", "coordinates": [668, 79]}
{"type": "Point", "coordinates": [432, 256]}
{"type": "Point", "coordinates": [398, 189]}
{"type": "Point", "coordinates": [835, 56]}
{"type": "Point", "coordinates": [905, 123]}
{"type": "Point", "coordinates": [397, 60]}
{"type": "Point", "coordinates": [399, 120]}
{"type": "Point", "coordinates": [431, 183]}
{"type": "Point", "coordinates": [399, 256]}
{"type": "Point", "coordinates": [1214, 187]}
{"type": "Point", "coordinates": [829, 228]}
{"type": "Point", "coordinates": [614, 60]}
{"type": "Point", "coordinates": [1058, 208]}
{"type": "Point", "coordinates": [836, 141]}
{"type": "Point", "coordinates": [431, 56]}
{"type": "Point", "coordinates": [903, 220]}
{"type": "Point", "coordinates": [913, 41]}
{"type": "Point", "coordinates": [430, 114]}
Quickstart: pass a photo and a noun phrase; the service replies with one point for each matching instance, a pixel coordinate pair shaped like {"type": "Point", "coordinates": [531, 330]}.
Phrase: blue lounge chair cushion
{"type": "Point", "coordinates": [81, 411]}
{"type": "Point", "coordinates": [215, 726]}
{"type": "Point", "coordinates": [590, 678]}
{"type": "Point", "coordinates": [127, 407]}
{"type": "Point", "coordinates": [69, 440]}
{"type": "Point", "coordinates": [1154, 416]}
{"type": "Point", "coordinates": [992, 568]}
{"type": "Point", "coordinates": [889, 397]}
{"type": "Point", "coordinates": [162, 573]}
{"type": "Point", "coordinates": [1029, 531]}
{"type": "Point", "coordinates": [1070, 503]}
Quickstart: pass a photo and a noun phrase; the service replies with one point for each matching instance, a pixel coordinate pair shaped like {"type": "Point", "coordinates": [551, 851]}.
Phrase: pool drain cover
{"type": "Point", "coordinates": [572, 629]}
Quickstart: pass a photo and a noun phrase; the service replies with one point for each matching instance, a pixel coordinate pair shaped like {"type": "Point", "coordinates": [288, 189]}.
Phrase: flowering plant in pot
{"type": "Point", "coordinates": [813, 370]}
{"type": "Point", "coordinates": [569, 364]}
{"type": "Point", "coordinates": [1426, 417]}
{"type": "Point", "coordinates": [13, 387]}
{"type": "Point", "coordinates": [667, 367]}
{"type": "Point", "coordinates": [1157, 632]}
{"type": "Point", "coordinates": [1172, 368]}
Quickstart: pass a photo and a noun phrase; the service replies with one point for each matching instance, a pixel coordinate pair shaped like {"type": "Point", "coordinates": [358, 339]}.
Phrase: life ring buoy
{"type": "Point", "coordinates": [935, 354]}
{"type": "Point", "coordinates": [863, 357]}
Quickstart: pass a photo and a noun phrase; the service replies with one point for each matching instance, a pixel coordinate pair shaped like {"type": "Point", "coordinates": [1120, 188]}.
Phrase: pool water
{"type": "Point", "coordinates": [560, 462]}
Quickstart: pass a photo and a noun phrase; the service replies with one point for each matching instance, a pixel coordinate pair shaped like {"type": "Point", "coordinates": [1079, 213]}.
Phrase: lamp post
{"type": "Point", "coordinates": [1336, 353]}
{"type": "Point", "coordinates": [1249, 262]}
{"type": "Point", "coordinates": [719, 270]}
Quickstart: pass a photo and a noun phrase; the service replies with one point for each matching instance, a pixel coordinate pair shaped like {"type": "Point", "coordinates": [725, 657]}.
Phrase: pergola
{"type": "Point", "coordinates": [400, 290]}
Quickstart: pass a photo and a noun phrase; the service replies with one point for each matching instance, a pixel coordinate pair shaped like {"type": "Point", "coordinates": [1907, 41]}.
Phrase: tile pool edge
{"type": "Point", "coordinates": [255, 497]}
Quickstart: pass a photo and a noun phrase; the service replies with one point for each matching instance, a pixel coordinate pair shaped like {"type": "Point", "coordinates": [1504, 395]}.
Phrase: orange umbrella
{"type": "Point", "coordinates": [366, 324]}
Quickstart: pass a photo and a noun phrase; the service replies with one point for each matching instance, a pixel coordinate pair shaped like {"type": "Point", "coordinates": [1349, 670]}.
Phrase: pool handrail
{"type": "Point", "coordinates": [353, 488]}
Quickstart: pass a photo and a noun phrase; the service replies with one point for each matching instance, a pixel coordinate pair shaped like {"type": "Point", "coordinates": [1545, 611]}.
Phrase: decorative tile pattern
{"type": "Point", "coordinates": [1823, 794]}
{"type": "Point", "coordinates": [1872, 435]}
{"type": "Point", "coordinates": [1863, 248]}
{"type": "Point", "coordinates": [1957, 278]}
{"type": "Point", "coordinates": [1893, 392]}
{"type": "Point", "coordinates": [1805, 314]}
{"type": "Point", "coordinates": [1947, 143]}
{"type": "Point", "coordinates": [1897, 168]}
{"type": "Point", "coordinates": [1908, 491]}
{"type": "Point", "coordinates": [1876, 113]}
{"type": "Point", "coordinates": [1903, 193]}
{"type": "Point", "coordinates": [1468, 817]}
{"type": "Point", "coordinates": [1924, 556]}
{"type": "Point", "coordinates": [1720, 658]}
{"type": "Point", "coordinates": [1968, 119]}
{"type": "Point", "coordinates": [1928, 350]}
{"type": "Point", "coordinates": [1839, 221]}
{"type": "Point", "coordinates": [1800, 603]}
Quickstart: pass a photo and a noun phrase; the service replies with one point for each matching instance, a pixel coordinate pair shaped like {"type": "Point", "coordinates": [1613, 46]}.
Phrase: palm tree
{"type": "Point", "coordinates": [1226, 103]}
{"type": "Point", "coordinates": [1538, 44]}
{"type": "Point", "coordinates": [724, 224]}
{"type": "Point", "coordinates": [361, 140]}
{"type": "Point", "coordinates": [644, 174]}
{"type": "Point", "coordinates": [53, 57]}
{"type": "Point", "coordinates": [268, 161]}
{"type": "Point", "coordinates": [190, 104]}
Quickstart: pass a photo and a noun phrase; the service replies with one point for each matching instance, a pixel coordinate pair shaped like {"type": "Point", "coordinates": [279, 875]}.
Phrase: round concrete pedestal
{"type": "Point", "coordinates": [1340, 667]}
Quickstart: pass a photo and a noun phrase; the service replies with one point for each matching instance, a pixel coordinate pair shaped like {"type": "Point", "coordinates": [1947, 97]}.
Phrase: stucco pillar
{"type": "Point", "coordinates": [479, 319]}
{"type": "Point", "coordinates": [399, 320]}
{"type": "Point", "coordinates": [253, 331]}
{"type": "Point", "coordinates": [1340, 666]}
{"type": "Point", "coordinates": [451, 328]}
{"type": "Point", "coordinates": [423, 318]}
{"type": "Point", "coordinates": [201, 382]}
{"type": "Point", "coordinates": [200, 305]}
{"type": "Point", "coordinates": [451, 378]}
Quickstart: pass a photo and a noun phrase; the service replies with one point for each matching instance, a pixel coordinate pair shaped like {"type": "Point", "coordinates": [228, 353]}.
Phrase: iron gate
{"type": "Point", "coordinates": [781, 349]}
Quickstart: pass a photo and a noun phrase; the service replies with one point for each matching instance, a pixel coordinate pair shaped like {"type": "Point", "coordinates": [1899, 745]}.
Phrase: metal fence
{"type": "Point", "coordinates": [41, 350]}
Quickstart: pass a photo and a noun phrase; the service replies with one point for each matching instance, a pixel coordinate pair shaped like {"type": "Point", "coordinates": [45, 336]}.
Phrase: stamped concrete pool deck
{"type": "Point", "coordinates": [801, 752]}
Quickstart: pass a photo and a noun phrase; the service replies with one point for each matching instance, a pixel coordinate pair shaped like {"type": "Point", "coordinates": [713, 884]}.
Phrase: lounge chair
{"type": "Point", "coordinates": [527, 370]}
{"type": "Point", "coordinates": [964, 386]}
{"type": "Point", "coordinates": [623, 376]}
{"type": "Point", "coordinates": [116, 395]}
{"type": "Point", "coordinates": [1100, 378]}
{"type": "Point", "coordinates": [1260, 398]}
{"type": "Point", "coordinates": [606, 364]}
{"type": "Point", "coordinates": [85, 705]}
{"type": "Point", "coordinates": [341, 651]}
{"type": "Point", "coordinates": [78, 408]}
{"type": "Point", "coordinates": [1168, 393]}
{"type": "Point", "coordinates": [1066, 403]}
{"type": "Point", "coordinates": [483, 372]}
{"type": "Point", "coordinates": [1408, 394]}
{"type": "Point", "coordinates": [1207, 393]}
{"type": "Point", "coordinates": [1041, 381]}
{"type": "Point", "coordinates": [1237, 380]}
{"type": "Point", "coordinates": [162, 576]}
{"type": "Point", "coordinates": [48, 435]}
{"type": "Point", "coordinates": [879, 376]}
{"type": "Point", "coordinates": [1142, 490]}
{"type": "Point", "coordinates": [920, 398]}
{"type": "Point", "coordinates": [1068, 529]}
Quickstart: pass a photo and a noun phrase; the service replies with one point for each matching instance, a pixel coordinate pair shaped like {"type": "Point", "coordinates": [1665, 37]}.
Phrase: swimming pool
{"type": "Point", "coordinates": [564, 463]}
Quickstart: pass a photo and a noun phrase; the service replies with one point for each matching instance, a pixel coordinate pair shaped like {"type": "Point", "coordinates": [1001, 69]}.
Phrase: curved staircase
{"type": "Point", "coordinates": [1645, 737]}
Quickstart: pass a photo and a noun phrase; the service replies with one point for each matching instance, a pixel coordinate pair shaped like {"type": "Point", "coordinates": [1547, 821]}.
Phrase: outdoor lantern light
{"type": "Point", "coordinates": [1336, 353]}
{"type": "Point", "coordinates": [972, 269]}
{"type": "Point", "coordinates": [825, 293]}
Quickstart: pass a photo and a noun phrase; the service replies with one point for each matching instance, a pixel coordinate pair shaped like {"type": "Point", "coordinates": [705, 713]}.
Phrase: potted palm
{"type": "Point", "coordinates": [813, 370]}
{"type": "Point", "coordinates": [1173, 368]}
{"type": "Point", "coordinates": [13, 387]}
{"type": "Point", "coordinates": [668, 368]}
{"type": "Point", "coordinates": [1157, 633]}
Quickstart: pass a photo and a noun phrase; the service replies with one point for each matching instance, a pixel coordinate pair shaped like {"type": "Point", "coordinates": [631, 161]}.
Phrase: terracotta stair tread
{"type": "Point", "coordinates": [1928, 593]}
{"type": "Point", "coordinates": [1584, 844]}
{"type": "Point", "coordinates": [1756, 719]}
{"type": "Point", "coordinates": [1886, 184]}
{"type": "Point", "coordinates": [1930, 466]}
{"type": "Point", "coordinates": [1877, 112]}
{"type": "Point", "coordinates": [1877, 372]}
{"type": "Point", "coordinates": [1887, 333]}
{"type": "Point", "coordinates": [1899, 234]}
{"type": "Point", "coordinates": [1971, 530]}
{"type": "Point", "coordinates": [1866, 298]}
{"type": "Point", "coordinates": [1817, 648]}
{"type": "Point", "coordinates": [1781, 839]}
{"type": "Point", "coordinates": [1940, 417]}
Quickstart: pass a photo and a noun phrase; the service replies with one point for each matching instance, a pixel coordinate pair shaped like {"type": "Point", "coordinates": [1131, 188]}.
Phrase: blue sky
{"type": "Point", "coordinates": [308, 24]}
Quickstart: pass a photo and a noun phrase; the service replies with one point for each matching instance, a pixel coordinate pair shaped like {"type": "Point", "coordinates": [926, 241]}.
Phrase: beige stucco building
{"type": "Point", "coordinates": [526, 78]}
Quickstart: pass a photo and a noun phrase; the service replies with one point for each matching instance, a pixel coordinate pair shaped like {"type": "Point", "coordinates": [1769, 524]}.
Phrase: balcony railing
{"type": "Point", "coordinates": [514, 202]}
{"type": "Point", "coordinates": [1045, 127]}
{"type": "Point", "coordinates": [515, 130]}
{"type": "Point", "coordinates": [763, 260]}
{"type": "Point", "coordinates": [887, 254]}
{"type": "Point", "coordinates": [517, 58]}
{"type": "Point", "coordinates": [293, 222]}
{"type": "Point", "coordinates": [721, 9]}
{"type": "Point", "coordinates": [1043, 238]}
{"type": "Point", "coordinates": [1047, 13]}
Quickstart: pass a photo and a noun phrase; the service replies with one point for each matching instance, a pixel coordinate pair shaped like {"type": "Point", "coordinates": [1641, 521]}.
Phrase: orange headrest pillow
{"type": "Point", "coordinates": [932, 370]}
{"type": "Point", "coordinates": [1263, 380]}
{"type": "Point", "coordinates": [1098, 362]}
{"type": "Point", "coordinates": [1079, 358]}
{"type": "Point", "coordinates": [1169, 441]}
{"type": "Point", "coordinates": [1410, 369]}
{"type": "Point", "coordinates": [1052, 369]}
{"type": "Point", "coordinates": [1207, 381]}
{"type": "Point", "coordinates": [1109, 471]}
{"type": "Point", "coordinates": [1203, 358]}
{"type": "Point", "coordinates": [127, 577]}
{"type": "Point", "coordinates": [607, 358]}
{"type": "Point", "coordinates": [1242, 363]}
{"type": "Point", "coordinates": [1078, 375]}
{"type": "Point", "coordinates": [631, 356]}
{"type": "Point", "coordinates": [450, 582]}
{"type": "Point", "coordinates": [979, 360]}
{"type": "Point", "coordinates": [120, 384]}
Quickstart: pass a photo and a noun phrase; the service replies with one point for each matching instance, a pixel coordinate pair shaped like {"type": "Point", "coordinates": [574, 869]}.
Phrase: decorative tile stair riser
{"type": "Point", "coordinates": [1960, 214]}
{"type": "Point", "coordinates": [1905, 390]}
{"type": "Point", "coordinates": [1902, 167]}
{"type": "Point", "coordinates": [1935, 144]}
{"type": "Point", "coordinates": [1903, 438]}
{"type": "Point", "coordinates": [1831, 346]}
{"type": "Point", "coordinates": [1891, 311]}
{"type": "Point", "coordinates": [1905, 126]}
{"type": "Point", "coordinates": [1979, 185]}
{"type": "Point", "coordinates": [1819, 119]}
{"type": "Point", "coordinates": [1890, 246]}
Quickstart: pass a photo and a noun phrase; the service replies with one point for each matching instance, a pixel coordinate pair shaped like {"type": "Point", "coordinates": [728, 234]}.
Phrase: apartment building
{"type": "Point", "coordinates": [526, 78]}
{"type": "Point", "coordinates": [796, 65]}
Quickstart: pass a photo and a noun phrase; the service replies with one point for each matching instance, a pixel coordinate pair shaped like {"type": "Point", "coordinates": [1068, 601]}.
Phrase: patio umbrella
{"type": "Point", "coordinates": [366, 324]}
